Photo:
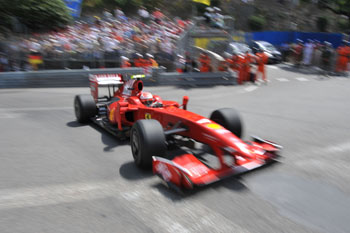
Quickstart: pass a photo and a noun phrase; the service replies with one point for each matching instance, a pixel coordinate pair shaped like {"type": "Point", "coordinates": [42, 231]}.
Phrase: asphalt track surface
{"type": "Point", "coordinates": [59, 176]}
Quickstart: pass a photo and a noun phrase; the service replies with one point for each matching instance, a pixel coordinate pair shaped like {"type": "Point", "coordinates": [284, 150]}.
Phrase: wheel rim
{"type": "Point", "coordinates": [135, 145]}
{"type": "Point", "coordinates": [77, 109]}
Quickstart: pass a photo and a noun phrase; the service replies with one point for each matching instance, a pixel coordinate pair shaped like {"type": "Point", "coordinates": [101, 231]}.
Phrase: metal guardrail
{"type": "Point", "coordinates": [196, 79]}
{"type": "Point", "coordinates": [56, 78]}
{"type": "Point", "coordinates": [79, 78]}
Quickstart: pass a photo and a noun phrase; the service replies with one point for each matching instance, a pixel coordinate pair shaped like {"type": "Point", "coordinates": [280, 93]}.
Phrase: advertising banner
{"type": "Point", "coordinates": [74, 6]}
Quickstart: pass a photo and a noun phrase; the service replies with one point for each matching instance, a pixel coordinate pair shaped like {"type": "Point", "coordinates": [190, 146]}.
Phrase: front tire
{"type": "Point", "coordinates": [147, 139]}
{"type": "Point", "coordinates": [84, 108]}
{"type": "Point", "coordinates": [229, 119]}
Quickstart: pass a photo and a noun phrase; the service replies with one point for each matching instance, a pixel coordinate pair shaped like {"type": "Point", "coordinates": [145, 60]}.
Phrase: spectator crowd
{"type": "Point", "coordinates": [321, 55]}
{"type": "Point", "coordinates": [101, 39]}
{"type": "Point", "coordinates": [145, 39]}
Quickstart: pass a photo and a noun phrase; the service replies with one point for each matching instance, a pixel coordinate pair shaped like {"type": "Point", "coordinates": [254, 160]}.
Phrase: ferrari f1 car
{"type": "Point", "coordinates": [156, 126]}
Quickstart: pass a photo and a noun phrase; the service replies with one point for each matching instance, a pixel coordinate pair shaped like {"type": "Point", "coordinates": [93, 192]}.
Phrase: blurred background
{"type": "Point", "coordinates": [75, 34]}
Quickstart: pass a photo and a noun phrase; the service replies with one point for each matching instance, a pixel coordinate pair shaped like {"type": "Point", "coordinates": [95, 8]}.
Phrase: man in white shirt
{"type": "Point", "coordinates": [143, 13]}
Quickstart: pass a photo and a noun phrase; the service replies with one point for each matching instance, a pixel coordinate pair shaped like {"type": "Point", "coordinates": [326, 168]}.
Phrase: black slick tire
{"type": "Point", "coordinates": [229, 119]}
{"type": "Point", "coordinates": [84, 108]}
{"type": "Point", "coordinates": [147, 139]}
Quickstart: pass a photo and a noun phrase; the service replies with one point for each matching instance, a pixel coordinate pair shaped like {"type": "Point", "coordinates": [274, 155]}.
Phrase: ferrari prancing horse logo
{"type": "Point", "coordinates": [148, 116]}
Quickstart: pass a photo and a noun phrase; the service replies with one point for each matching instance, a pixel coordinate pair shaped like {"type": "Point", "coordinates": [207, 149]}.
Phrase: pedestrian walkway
{"type": "Point", "coordinates": [304, 79]}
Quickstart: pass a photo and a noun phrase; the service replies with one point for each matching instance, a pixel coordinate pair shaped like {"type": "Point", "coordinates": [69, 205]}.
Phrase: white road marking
{"type": "Point", "coordinates": [333, 149]}
{"type": "Point", "coordinates": [187, 215]}
{"type": "Point", "coordinates": [273, 67]}
{"type": "Point", "coordinates": [251, 88]}
{"type": "Point", "coordinates": [282, 79]}
{"type": "Point", "coordinates": [327, 160]}
{"type": "Point", "coordinates": [301, 79]}
{"type": "Point", "coordinates": [35, 109]}
{"type": "Point", "coordinates": [343, 147]}
{"type": "Point", "coordinates": [8, 116]}
{"type": "Point", "coordinates": [50, 195]}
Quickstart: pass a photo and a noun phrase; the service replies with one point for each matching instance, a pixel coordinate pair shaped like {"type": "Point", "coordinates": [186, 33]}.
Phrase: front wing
{"type": "Point", "coordinates": [186, 171]}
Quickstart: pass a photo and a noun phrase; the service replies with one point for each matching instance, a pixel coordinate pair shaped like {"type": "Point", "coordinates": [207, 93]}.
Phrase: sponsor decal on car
{"type": "Point", "coordinates": [148, 116]}
{"type": "Point", "coordinates": [163, 170]}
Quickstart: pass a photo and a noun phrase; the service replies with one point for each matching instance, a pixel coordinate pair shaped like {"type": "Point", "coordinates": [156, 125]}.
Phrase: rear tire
{"type": "Point", "coordinates": [147, 139]}
{"type": "Point", "coordinates": [84, 108]}
{"type": "Point", "coordinates": [229, 119]}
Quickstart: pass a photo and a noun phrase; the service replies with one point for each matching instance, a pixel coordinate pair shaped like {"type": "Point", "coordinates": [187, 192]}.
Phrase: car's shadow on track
{"type": "Point", "coordinates": [74, 124]}
{"type": "Point", "coordinates": [107, 139]}
{"type": "Point", "coordinates": [130, 171]}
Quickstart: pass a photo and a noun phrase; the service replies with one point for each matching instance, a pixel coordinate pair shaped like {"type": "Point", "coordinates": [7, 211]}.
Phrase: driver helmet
{"type": "Point", "coordinates": [146, 98]}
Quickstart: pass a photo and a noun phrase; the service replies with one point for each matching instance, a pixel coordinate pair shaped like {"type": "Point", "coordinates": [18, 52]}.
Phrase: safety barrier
{"type": "Point", "coordinates": [56, 78]}
{"type": "Point", "coordinates": [196, 79]}
{"type": "Point", "coordinates": [79, 78]}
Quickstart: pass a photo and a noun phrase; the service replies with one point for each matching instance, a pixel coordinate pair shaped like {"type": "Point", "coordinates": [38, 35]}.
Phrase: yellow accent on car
{"type": "Point", "coordinates": [214, 126]}
{"type": "Point", "coordinates": [111, 115]}
{"type": "Point", "coordinates": [136, 76]}
{"type": "Point", "coordinates": [148, 116]}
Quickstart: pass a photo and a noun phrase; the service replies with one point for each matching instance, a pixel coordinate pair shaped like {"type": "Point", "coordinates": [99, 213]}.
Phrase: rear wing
{"type": "Point", "coordinates": [107, 80]}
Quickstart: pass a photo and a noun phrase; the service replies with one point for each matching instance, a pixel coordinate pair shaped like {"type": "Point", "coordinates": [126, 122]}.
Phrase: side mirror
{"type": "Point", "coordinates": [185, 100]}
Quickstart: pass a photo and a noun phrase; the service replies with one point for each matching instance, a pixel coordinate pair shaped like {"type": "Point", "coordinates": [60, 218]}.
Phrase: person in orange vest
{"type": "Point", "coordinates": [204, 61]}
{"type": "Point", "coordinates": [342, 59]}
{"type": "Point", "coordinates": [222, 66]}
{"type": "Point", "coordinates": [234, 62]}
{"type": "Point", "coordinates": [261, 59]}
{"type": "Point", "coordinates": [347, 52]}
{"type": "Point", "coordinates": [240, 67]}
{"type": "Point", "coordinates": [125, 62]}
{"type": "Point", "coordinates": [225, 65]}
{"type": "Point", "coordinates": [150, 60]}
{"type": "Point", "coordinates": [139, 61]}
{"type": "Point", "coordinates": [248, 60]}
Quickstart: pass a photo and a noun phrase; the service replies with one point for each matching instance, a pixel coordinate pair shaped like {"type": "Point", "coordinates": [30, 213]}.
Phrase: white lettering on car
{"type": "Point", "coordinates": [163, 170]}
{"type": "Point", "coordinates": [198, 170]}
{"type": "Point", "coordinates": [203, 121]}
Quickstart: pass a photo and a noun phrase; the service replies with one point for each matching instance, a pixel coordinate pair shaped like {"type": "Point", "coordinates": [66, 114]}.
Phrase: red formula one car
{"type": "Point", "coordinates": [183, 148]}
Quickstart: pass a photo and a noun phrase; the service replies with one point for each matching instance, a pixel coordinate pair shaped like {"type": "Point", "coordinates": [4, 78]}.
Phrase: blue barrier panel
{"type": "Point", "coordinates": [334, 38]}
{"type": "Point", "coordinates": [278, 38]}
{"type": "Point", "coordinates": [274, 37]}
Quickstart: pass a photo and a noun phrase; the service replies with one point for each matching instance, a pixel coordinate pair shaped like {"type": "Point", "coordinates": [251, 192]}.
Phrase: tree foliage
{"type": "Point", "coordinates": [341, 7]}
{"type": "Point", "coordinates": [36, 14]}
{"type": "Point", "coordinates": [256, 22]}
{"type": "Point", "coordinates": [322, 23]}
{"type": "Point", "coordinates": [181, 8]}
{"type": "Point", "coordinates": [343, 24]}
{"type": "Point", "coordinates": [126, 5]}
